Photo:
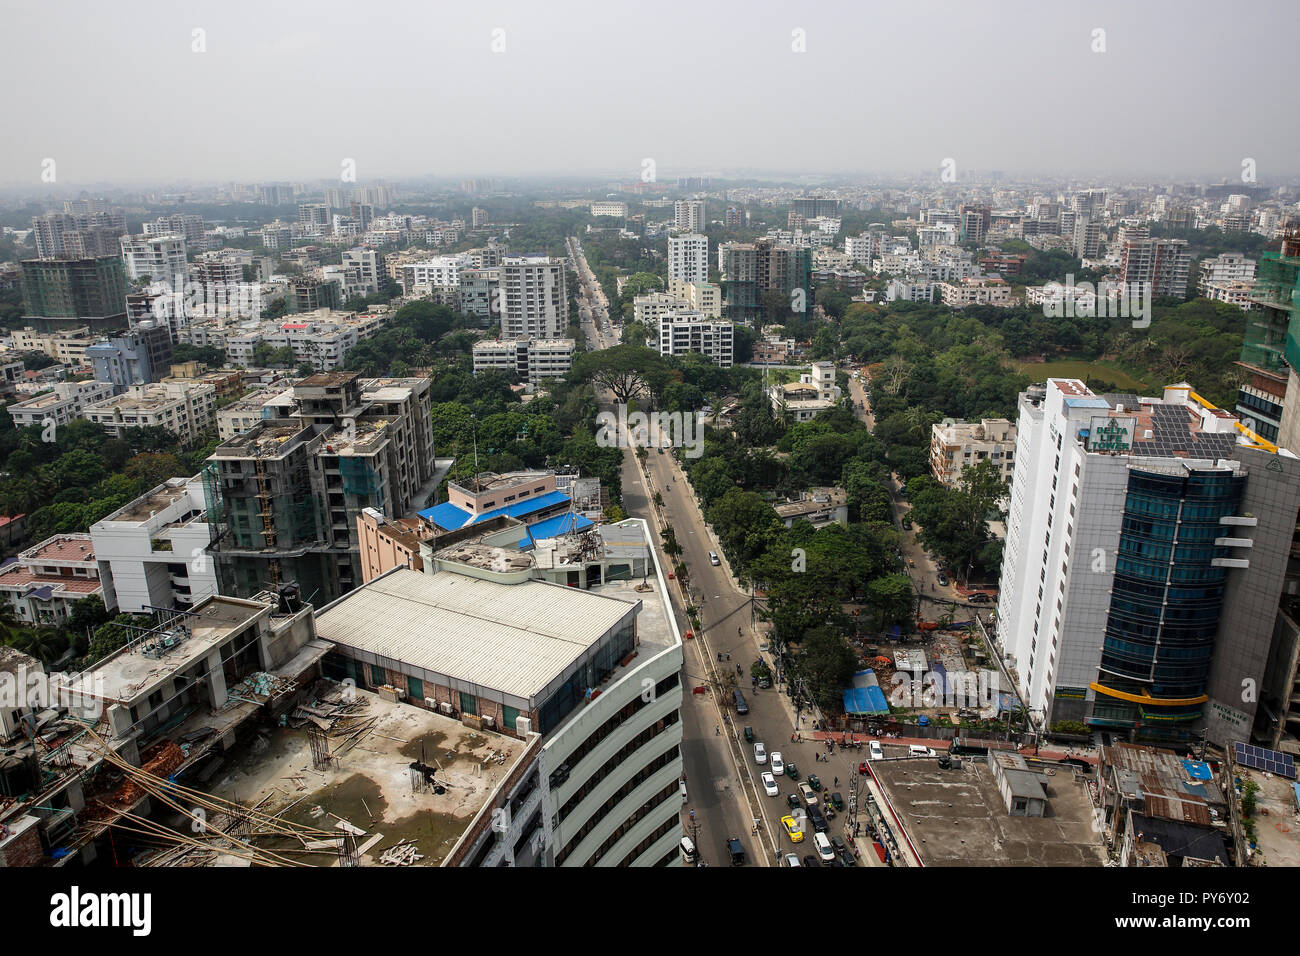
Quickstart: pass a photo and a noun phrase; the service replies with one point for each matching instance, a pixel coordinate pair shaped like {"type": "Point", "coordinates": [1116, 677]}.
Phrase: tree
{"type": "Point", "coordinates": [826, 662]}
{"type": "Point", "coordinates": [627, 371]}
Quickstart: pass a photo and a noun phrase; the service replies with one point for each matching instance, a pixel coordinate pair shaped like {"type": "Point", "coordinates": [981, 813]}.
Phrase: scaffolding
{"type": "Point", "coordinates": [1270, 340]}
{"type": "Point", "coordinates": [266, 511]}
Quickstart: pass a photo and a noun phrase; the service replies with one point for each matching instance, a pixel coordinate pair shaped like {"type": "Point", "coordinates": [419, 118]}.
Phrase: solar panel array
{"type": "Point", "coordinates": [1258, 758]}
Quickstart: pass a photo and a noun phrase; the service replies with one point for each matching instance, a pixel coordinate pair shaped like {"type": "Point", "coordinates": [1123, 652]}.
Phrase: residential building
{"type": "Point", "coordinates": [681, 333]}
{"type": "Point", "coordinates": [190, 227]}
{"type": "Point", "coordinates": [688, 216]}
{"type": "Point", "coordinates": [152, 552]}
{"type": "Point", "coordinates": [1161, 526]}
{"type": "Point", "coordinates": [66, 346]}
{"type": "Point", "coordinates": [185, 410]}
{"type": "Point", "coordinates": [688, 258]}
{"type": "Point", "coordinates": [314, 218]}
{"type": "Point", "coordinates": [1087, 237]}
{"type": "Point", "coordinates": [60, 405]}
{"type": "Point", "coordinates": [616, 209]}
{"type": "Point", "coordinates": [438, 272]}
{"type": "Point", "coordinates": [322, 339]}
{"type": "Point", "coordinates": [535, 298]}
{"type": "Point", "coordinates": [955, 445]}
{"type": "Point", "coordinates": [1240, 293]}
{"type": "Point", "coordinates": [820, 507]}
{"type": "Point", "coordinates": [982, 290]}
{"type": "Point", "coordinates": [526, 496]}
{"type": "Point", "coordinates": [1164, 263]}
{"type": "Point", "coordinates": [261, 405]}
{"type": "Point", "coordinates": [652, 308]}
{"type": "Point", "coordinates": [310, 294]}
{"type": "Point", "coordinates": [699, 296]}
{"type": "Point", "coordinates": [161, 258]}
{"type": "Point", "coordinates": [136, 357]}
{"type": "Point", "coordinates": [804, 400]}
{"type": "Point", "coordinates": [43, 583]}
{"type": "Point", "coordinates": [61, 294]}
{"type": "Point", "coordinates": [1226, 267]}
{"type": "Point", "coordinates": [284, 497]}
{"type": "Point", "coordinates": [385, 543]}
{"type": "Point", "coordinates": [751, 271]}
{"type": "Point", "coordinates": [812, 207]}
{"type": "Point", "coordinates": [479, 294]}
{"type": "Point", "coordinates": [78, 235]}
{"type": "Point", "coordinates": [526, 360]}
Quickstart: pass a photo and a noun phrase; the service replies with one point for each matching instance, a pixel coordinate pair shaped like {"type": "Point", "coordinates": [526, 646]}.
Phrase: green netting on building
{"type": "Point", "coordinates": [358, 477]}
{"type": "Point", "coordinates": [1271, 340]}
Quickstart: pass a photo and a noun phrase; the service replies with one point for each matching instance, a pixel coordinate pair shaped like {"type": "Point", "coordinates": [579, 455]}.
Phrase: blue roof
{"type": "Point", "coordinates": [450, 517]}
{"type": "Point", "coordinates": [865, 696]}
{"type": "Point", "coordinates": [549, 528]}
{"type": "Point", "coordinates": [1082, 401]}
{"type": "Point", "coordinates": [1198, 769]}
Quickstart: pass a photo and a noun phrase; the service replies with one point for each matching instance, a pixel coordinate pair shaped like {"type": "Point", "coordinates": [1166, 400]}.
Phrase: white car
{"type": "Point", "coordinates": [769, 783]}
{"type": "Point", "coordinates": [824, 849]}
{"type": "Point", "coordinates": [916, 750]}
{"type": "Point", "coordinates": [792, 859]}
{"type": "Point", "coordinates": [778, 765]}
{"type": "Point", "coordinates": [877, 753]}
{"type": "Point", "coordinates": [760, 754]}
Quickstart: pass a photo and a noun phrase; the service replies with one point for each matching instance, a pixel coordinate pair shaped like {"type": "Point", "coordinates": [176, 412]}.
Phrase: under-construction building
{"type": "Point", "coordinates": [1269, 349]}
{"type": "Point", "coordinates": [284, 497]}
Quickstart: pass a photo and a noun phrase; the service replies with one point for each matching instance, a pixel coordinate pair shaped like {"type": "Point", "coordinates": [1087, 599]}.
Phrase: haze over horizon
{"type": "Point", "coordinates": [583, 88]}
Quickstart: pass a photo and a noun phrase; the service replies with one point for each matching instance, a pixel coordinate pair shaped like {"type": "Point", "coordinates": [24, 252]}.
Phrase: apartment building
{"type": "Point", "coordinates": [955, 445]}
{"type": "Point", "coordinates": [188, 226]}
{"type": "Point", "coordinates": [981, 290]}
{"type": "Point", "coordinates": [1164, 263]}
{"type": "Point", "coordinates": [1147, 546]}
{"type": "Point", "coordinates": [312, 293]}
{"type": "Point", "coordinates": [323, 339]}
{"type": "Point", "coordinates": [699, 296]}
{"type": "Point", "coordinates": [67, 346]}
{"type": "Point", "coordinates": [161, 258]}
{"type": "Point", "coordinates": [43, 583]}
{"type": "Point", "coordinates": [438, 272]}
{"type": "Point", "coordinates": [79, 234]}
{"type": "Point", "coordinates": [1087, 237]}
{"type": "Point", "coordinates": [60, 405]}
{"type": "Point", "coordinates": [261, 405]}
{"type": "Point", "coordinates": [616, 209]}
{"type": "Point", "coordinates": [479, 293]}
{"type": "Point", "coordinates": [681, 333]}
{"type": "Point", "coordinates": [284, 496]}
{"type": "Point", "coordinates": [1227, 267]}
{"type": "Point", "coordinates": [387, 543]}
{"type": "Point", "coordinates": [753, 270]}
{"type": "Point", "coordinates": [688, 216]}
{"type": "Point", "coordinates": [136, 357]}
{"type": "Point", "coordinates": [804, 400]}
{"type": "Point", "coordinates": [62, 294]}
{"type": "Point", "coordinates": [185, 410]}
{"type": "Point", "coordinates": [152, 552]}
{"type": "Point", "coordinates": [535, 298]}
{"type": "Point", "coordinates": [688, 258]}
{"type": "Point", "coordinates": [527, 360]}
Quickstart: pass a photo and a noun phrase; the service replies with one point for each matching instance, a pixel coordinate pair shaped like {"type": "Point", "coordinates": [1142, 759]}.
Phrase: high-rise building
{"type": "Point", "coordinates": [1087, 238]}
{"type": "Point", "coordinates": [1164, 263]}
{"type": "Point", "coordinates": [681, 333]}
{"type": "Point", "coordinates": [753, 270]}
{"type": "Point", "coordinates": [284, 497]}
{"type": "Point", "coordinates": [189, 226]}
{"type": "Point", "coordinates": [975, 222]}
{"type": "Point", "coordinates": [732, 219]}
{"type": "Point", "coordinates": [161, 258]}
{"type": "Point", "coordinates": [688, 258]}
{"type": "Point", "coordinates": [315, 218]}
{"type": "Point", "coordinates": [535, 298]}
{"type": "Point", "coordinates": [1147, 546]}
{"type": "Point", "coordinates": [79, 235]}
{"type": "Point", "coordinates": [70, 293]}
{"type": "Point", "coordinates": [140, 356]}
{"type": "Point", "coordinates": [813, 207]}
{"type": "Point", "coordinates": [688, 215]}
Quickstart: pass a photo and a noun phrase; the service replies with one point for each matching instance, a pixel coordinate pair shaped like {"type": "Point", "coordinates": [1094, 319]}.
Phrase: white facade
{"type": "Point", "coordinates": [956, 445]}
{"type": "Point", "coordinates": [688, 215]}
{"type": "Point", "coordinates": [1227, 267]}
{"type": "Point", "coordinates": [699, 296]}
{"type": "Point", "coordinates": [160, 257]}
{"type": "Point", "coordinates": [688, 258]}
{"type": "Point", "coordinates": [151, 552]}
{"type": "Point", "coordinates": [684, 332]}
{"type": "Point", "coordinates": [186, 409]}
{"type": "Point", "coordinates": [438, 272]}
{"type": "Point", "coordinates": [60, 405]}
{"type": "Point", "coordinates": [618, 209]}
{"type": "Point", "coordinates": [530, 360]}
{"type": "Point", "coordinates": [535, 298]}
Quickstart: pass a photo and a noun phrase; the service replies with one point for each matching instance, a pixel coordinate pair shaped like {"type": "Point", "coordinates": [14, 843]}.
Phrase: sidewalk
{"type": "Point", "coordinates": [941, 746]}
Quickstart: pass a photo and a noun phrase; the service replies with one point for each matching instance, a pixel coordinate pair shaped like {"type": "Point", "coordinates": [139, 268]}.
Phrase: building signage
{"type": "Point", "coordinates": [1111, 434]}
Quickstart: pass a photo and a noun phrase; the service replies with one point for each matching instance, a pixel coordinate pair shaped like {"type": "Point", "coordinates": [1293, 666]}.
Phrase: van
{"type": "Point", "coordinates": [916, 750]}
{"type": "Point", "coordinates": [824, 849]}
{"type": "Point", "coordinates": [688, 851]}
{"type": "Point", "coordinates": [741, 707]}
{"type": "Point", "coordinates": [683, 789]}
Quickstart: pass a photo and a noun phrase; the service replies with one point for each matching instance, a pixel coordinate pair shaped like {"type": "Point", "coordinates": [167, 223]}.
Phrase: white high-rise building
{"type": "Point", "coordinates": [160, 257]}
{"type": "Point", "coordinates": [536, 300]}
{"type": "Point", "coordinates": [688, 258]}
{"type": "Point", "coordinates": [688, 215]}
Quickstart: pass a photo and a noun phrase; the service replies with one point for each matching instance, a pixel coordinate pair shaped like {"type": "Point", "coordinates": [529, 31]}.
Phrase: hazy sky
{"type": "Point", "coordinates": [113, 91]}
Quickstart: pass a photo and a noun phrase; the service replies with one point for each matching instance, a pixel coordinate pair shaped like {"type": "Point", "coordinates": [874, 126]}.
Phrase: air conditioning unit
{"type": "Point", "coordinates": [489, 721]}
{"type": "Point", "coordinates": [445, 707]}
{"type": "Point", "coordinates": [523, 726]}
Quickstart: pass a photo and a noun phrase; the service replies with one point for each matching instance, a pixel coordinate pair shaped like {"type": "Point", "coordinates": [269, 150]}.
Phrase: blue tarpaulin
{"type": "Point", "coordinates": [1197, 769]}
{"type": "Point", "coordinates": [865, 696]}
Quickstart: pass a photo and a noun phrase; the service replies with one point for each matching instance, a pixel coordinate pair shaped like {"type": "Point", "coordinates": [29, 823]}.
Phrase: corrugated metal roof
{"type": "Point", "coordinates": [514, 638]}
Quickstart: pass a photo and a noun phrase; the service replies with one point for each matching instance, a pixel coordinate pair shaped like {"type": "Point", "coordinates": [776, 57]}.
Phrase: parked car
{"type": "Point", "coordinates": [916, 750]}
{"type": "Point", "coordinates": [837, 801]}
{"type": "Point", "coordinates": [749, 735]}
{"type": "Point", "coordinates": [818, 820]}
{"type": "Point", "coordinates": [942, 579]}
{"type": "Point", "coordinates": [769, 784]}
{"type": "Point", "coordinates": [793, 800]}
{"type": "Point", "coordinates": [846, 857]}
{"type": "Point", "coordinates": [713, 558]}
{"type": "Point", "coordinates": [760, 753]}
{"type": "Point", "coordinates": [742, 707]}
{"type": "Point", "coordinates": [791, 770]}
{"type": "Point", "coordinates": [810, 860]}
{"type": "Point", "coordinates": [876, 752]}
{"type": "Point", "coordinates": [792, 829]}
{"type": "Point", "coordinates": [815, 782]}
{"type": "Point", "coordinates": [980, 598]}
{"type": "Point", "coordinates": [778, 765]}
{"type": "Point", "coordinates": [792, 860]}
{"type": "Point", "coordinates": [809, 794]}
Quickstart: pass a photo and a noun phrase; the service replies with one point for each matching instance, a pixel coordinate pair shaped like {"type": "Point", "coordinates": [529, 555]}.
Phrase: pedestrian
{"type": "Point", "coordinates": [717, 731]}
{"type": "Point", "coordinates": [792, 738]}
{"type": "Point", "coordinates": [837, 781]}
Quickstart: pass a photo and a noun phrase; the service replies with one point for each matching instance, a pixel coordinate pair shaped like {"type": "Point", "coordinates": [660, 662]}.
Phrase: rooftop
{"type": "Point", "coordinates": [148, 505]}
{"type": "Point", "coordinates": [62, 547]}
{"type": "Point", "coordinates": [514, 638]}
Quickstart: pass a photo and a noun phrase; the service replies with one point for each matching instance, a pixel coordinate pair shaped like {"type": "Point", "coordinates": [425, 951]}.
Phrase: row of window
{"type": "Point", "coordinates": [615, 721]}
{"type": "Point", "coordinates": [640, 777]}
{"type": "Point", "coordinates": [616, 760]}
{"type": "Point", "coordinates": [669, 792]}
